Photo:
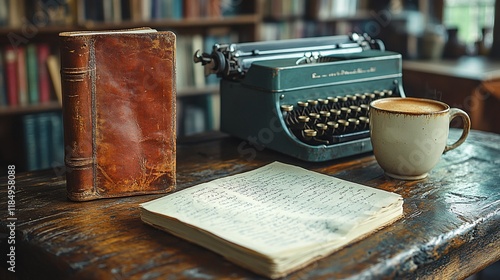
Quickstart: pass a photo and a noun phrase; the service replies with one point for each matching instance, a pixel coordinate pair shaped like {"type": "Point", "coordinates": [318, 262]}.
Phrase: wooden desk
{"type": "Point", "coordinates": [451, 227]}
{"type": "Point", "coordinates": [470, 83]}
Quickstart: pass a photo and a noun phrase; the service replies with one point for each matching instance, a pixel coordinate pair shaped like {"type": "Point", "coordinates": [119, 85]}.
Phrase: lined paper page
{"type": "Point", "coordinates": [277, 208]}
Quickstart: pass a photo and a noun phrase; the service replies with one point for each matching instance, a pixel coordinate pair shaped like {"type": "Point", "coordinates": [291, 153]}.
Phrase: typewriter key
{"type": "Point", "coordinates": [312, 102]}
{"type": "Point", "coordinates": [299, 123]}
{"type": "Point", "coordinates": [343, 101]}
{"type": "Point", "coordinates": [286, 108]}
{"type": "Point", "coordinates": [323, 104]}
{"type": "Point", "coordinates": [332, 126]}
{"type": "Point", "coordinates": [324, 115]}
{"type": "Point", "coordinates": [369, 97]}
{"type": "Point", "coordinates": [364, 122]}
{"type": "Point", "coordinates": [314, 116]}
{"type": "Point", "coordinates": [313, 105]}
{"type": "Point", "coordinates": [378, 94]}
{"type": "Point", "coordinates": [309, 133]}
{"type": "Point", "coordinates": [334, 114]}
{"type": "Point", "coordinates": [388, 92]}
{"type": "Point", "coordinates": [321, 128]}
{"type": "Point", "coordinates": [332, 100]}
{"type": "Point", "coordinates": [343, 124]}
{"type": "Point", "coordinates": [303, 119]}
{"type": "Point", "coordinates": [303, 106]}
{"type": "Point", "coordinates": [287, 113]}
{"type": "Point", "coordinates": [364, 109]}
{"type": "Point", "coordinates": [353, 124]}
{"type": "Point", "coordinates": [355, 111]}
{"type": "Point", "coordinates": [360, 97]}
{"type": "Point", "coordinates": [344, 112]}
{"type": "Point", "coordinates": [351, 99]}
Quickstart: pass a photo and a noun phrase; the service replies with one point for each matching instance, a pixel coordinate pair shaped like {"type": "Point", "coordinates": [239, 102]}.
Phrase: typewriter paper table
{"type": "Point", "coordinates": [451, 227]}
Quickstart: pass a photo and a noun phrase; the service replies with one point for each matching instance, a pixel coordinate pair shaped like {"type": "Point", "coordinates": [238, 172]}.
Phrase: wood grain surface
{"type": "Point", "coordinates": [451, 227]}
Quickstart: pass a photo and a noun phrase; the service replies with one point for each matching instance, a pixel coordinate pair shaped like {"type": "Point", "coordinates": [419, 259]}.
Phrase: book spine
{"type": "Point", "coordinates": [43, 73]}
{"type": "Point", "coordinates": [53, 66]}
{"type": "Point", "coordinates": [136, 10]}
{"type": "Point", "coordinates": [30, 145]}
{"type": "Point", "coordinates": [15, 13]}
{"type": "Point", "coordinates": [3, 91]}
{"type": "Point", "coordinates": [22, 76]}
{"type": "Point", "coordinates": [4, 13]}
{"type": "Point", "coordinates": [11, 75]}
{"type": "Point", "coordinates": [177, 9]}
{"type": "Point", "coordinates": [56, 140]}
{"type": "Point", "coordinates": [77, 75]}
{"type": "Point", "coordinates": [42, 140]}
{"type": "Point", "coordinates": [32, 66]}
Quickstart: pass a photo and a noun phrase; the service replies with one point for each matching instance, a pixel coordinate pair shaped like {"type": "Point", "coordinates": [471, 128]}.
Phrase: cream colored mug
{"type": "Point", "coordinates": [409, 135]}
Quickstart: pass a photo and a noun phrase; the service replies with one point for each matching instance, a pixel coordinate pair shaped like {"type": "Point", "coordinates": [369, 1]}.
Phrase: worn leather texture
{"type": "Point", "coordinates": [119, 113]}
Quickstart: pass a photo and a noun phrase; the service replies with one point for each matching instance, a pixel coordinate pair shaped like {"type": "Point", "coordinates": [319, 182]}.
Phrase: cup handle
{"type": "Point", "coordinates": [455, 112]}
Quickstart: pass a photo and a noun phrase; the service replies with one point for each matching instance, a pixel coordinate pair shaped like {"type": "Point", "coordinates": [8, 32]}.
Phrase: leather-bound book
{"type": "Point", "coordinates": [119, 112]}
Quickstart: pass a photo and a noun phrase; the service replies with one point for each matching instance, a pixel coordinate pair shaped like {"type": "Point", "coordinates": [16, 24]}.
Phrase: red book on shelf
{"type": "Point", "coordinates": [192, 9]}
{"type": "Point", "coordinates": [11, 75]}
{"type": "Point", "coordinates": [214, 8]}
{"type": "Point", "coordinates": [22, 76]}
{"type": "Point", "coordinates": [43, 52]}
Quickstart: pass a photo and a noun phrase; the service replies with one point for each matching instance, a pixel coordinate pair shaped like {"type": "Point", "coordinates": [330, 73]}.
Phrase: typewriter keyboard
{"type": "Point", "coordinates": [333, 119]}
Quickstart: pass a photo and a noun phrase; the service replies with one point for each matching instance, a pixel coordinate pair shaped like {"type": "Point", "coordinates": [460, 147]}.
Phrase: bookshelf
{"type": "Point", "coordinates": [198, 24]}
{"type": "Point", "coordinates": [285, 19]}
{"type": "Point", "coordinates": [37, 23]}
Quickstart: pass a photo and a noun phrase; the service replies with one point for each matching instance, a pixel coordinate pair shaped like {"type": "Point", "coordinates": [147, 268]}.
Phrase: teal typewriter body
{"type": "Point", "coordinates": [311, 106]}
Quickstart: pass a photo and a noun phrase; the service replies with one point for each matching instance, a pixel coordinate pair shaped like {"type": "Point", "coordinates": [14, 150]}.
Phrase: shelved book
{"type": "Point", "coordinates": [15, 13]}
{"type": "Point", "coordinates": [24, 75]}
{"type": "Point", "coordinates": [43, 140]}
{"type": "Point", "coordinates": [275, 219]}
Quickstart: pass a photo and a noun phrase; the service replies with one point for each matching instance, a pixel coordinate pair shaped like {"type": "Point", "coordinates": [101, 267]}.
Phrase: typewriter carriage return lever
{"type": "Point", "coordinates": [308, 97]}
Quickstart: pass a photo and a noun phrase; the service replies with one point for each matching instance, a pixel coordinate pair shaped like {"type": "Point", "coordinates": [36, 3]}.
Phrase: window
{"type": "Point", "coordinates": [470, 17]}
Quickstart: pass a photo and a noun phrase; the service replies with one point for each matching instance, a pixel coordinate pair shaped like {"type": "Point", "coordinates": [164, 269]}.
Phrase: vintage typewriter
{"type": "Point", "coordinates": [307, 98]}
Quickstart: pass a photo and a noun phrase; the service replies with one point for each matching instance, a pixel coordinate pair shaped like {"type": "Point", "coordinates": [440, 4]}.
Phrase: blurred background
{"type": "Point", "coordinates": [450, 50]}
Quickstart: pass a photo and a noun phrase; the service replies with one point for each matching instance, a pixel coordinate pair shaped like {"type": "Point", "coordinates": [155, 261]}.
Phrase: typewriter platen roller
{"type": "Point", "coordinates": [307, 98]}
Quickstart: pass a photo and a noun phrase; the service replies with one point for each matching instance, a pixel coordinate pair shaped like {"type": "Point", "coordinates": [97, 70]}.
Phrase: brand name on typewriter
{"type": "Point", "coordinates": [344, 72]}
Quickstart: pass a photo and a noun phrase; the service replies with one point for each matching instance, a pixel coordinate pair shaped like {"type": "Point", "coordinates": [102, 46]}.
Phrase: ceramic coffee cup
{"type": "Point", "coordinates": [409, 135]}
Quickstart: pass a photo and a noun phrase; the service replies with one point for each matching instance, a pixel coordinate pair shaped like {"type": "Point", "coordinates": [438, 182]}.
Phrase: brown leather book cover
{"type": "Point", "coordinates": [118, 91]}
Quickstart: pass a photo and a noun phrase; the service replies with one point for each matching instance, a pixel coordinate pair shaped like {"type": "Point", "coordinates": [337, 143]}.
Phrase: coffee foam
{"type": "Point", "coordinates": [409, 105]}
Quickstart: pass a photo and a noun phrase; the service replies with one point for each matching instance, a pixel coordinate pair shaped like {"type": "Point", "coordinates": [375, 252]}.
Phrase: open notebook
{"type": "Point", "coordinates": [275, 219]}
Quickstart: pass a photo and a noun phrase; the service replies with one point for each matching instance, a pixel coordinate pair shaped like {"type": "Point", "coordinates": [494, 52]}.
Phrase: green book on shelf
{"type": "Point", "coordinates": [32, 67]}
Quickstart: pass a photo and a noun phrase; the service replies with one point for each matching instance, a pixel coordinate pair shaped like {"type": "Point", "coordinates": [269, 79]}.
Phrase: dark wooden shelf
{"type": "Point", "coordinates": [29, 109]}
{"type": "Point", "coordinates": [189, 91]}
{"type": "Point", "coordinates": [245, 19]}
